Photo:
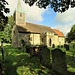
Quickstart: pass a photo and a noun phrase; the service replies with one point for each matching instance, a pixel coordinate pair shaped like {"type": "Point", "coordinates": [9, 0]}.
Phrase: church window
{"type": "Point", "coordinates": [42, 39]}
{"type": "Point", "coordinates": [20, 14]}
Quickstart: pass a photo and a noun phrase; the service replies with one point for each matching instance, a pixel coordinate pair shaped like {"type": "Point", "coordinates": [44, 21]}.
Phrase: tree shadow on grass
{"type": "Point", "coordinates": [23, 65]}
{"type": "Point", "coordinates": [18, 63]}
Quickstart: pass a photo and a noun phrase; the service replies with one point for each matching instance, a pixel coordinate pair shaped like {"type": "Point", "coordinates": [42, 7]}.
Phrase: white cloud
{"type": "Point", "coordinates": [33, 14]}
{"type": "Point", "coordinates": [65, 28]}
{"type": "Point", "coordinates": [65, 17]}
{"type": "Point", "coordinates": [65, 20]}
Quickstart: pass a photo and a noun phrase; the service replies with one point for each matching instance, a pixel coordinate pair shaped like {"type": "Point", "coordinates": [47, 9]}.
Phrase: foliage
{"type": "Point", "coordinates": [57, 5]}
{"type": "Point", "coordinates": [18, 63]}
{"type": "Point", "coordinates": [71, 34]}
{"type": "Point", "coordinates": [3, 18]}
{"type": "Point", "coordinates": [6, 34]}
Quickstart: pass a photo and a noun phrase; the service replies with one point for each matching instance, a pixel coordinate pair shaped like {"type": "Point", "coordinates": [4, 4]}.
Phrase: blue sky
{"type": "Point", "coordinates": [47, 17]}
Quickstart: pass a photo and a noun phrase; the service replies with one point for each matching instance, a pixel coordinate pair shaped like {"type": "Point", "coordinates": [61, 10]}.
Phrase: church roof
{"type": "Point", "coordinates": [39, 28]}
{"type": "Point", "coordinates": [34, 28]}
{"type": "Point", "coordinates": [60, 34]}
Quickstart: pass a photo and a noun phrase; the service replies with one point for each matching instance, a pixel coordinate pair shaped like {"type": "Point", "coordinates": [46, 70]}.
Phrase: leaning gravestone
{"type": "Point", "coordinates": [44, 53]}
{"type": "Point", "coordinates": [59, 62]}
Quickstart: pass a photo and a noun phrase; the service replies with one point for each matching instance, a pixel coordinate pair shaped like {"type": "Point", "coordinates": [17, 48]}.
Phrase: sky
{"type": "Point", "coordinates": [47, 17]}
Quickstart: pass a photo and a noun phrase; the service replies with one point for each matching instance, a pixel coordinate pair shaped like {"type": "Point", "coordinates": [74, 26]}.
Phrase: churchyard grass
{"type": "Point", "coordinates": [19, 63]}
{"type": "Point", "coordinates": [70, 58]}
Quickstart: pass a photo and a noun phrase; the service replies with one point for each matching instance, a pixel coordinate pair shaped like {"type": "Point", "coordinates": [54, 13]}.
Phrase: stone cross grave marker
{"type": "Point", "coordinates": [59, 62]}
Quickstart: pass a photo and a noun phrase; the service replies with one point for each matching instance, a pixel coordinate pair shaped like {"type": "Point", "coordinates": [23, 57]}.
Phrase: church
{"type": "Point", "coordinates": [33, 34]}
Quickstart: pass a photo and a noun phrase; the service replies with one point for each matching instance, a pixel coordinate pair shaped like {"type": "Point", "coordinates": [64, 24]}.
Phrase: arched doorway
{"type": "Point", "coordinates": [50, 41]}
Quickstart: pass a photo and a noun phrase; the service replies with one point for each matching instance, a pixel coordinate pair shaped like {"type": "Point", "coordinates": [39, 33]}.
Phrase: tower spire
{"type": "Point", "coordinates": [19, 5]}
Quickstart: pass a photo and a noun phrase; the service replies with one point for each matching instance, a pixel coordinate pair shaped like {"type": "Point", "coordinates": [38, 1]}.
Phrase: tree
{"type": "Point", "coordinates": [8, 30]}
{"type": "Point", "coordinates": [57, 5]}
{"type": "Point", "coordinates": [3, 18]}
{"type": "Point", "coordinates": [3, 21]}
{"type": "Point", "coordinates": [71, 34]}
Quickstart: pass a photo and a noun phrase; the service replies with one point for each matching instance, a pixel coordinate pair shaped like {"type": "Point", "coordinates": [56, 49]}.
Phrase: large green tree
{"type": "Point", "coordinates": [71, 34]}
{"type": "Point", "coordinates": [3, 18]}
{"type": "Point", "coordinates": [8, 30]}
{"type": "Point", "coordinates": [3, 22]}
{"type": "Point", "coordinates": [57, 5]}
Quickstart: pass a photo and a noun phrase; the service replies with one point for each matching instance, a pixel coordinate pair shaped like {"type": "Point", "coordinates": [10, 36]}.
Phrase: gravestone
{"type": "Point", "coordinates": [61, 46]}
{"type": "Point", "coordinates": [31, 51]}
{"type": "Point", "coordinates": [67, 47]}
{"type": "Point", "coordinates": [53, 46]}
{"type": "Point", "coordinates": [44, 54]}
{"type": "Point", "coordinates": [59, 65]}
{"type": "Point", "coordinates": [58, 46]}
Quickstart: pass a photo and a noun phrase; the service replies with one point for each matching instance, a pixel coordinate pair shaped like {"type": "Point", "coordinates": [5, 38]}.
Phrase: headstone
{"type": "Point", "coordinates": [53, 46]}
{"type": "Point", "coordinates": [45, 56]}
{"type": "Point", "coordinates": [31, 51]}
{"type": "Point", "coordinates": [59, 62]}
{"type": "Point", "coordinates": [64, 45]}
{"type": "Point", "coordinates": [58, 46]}
{"type": "Point", "coordinates": [67, 47]}
{"type": "Point", "coordinates": [61, 46]}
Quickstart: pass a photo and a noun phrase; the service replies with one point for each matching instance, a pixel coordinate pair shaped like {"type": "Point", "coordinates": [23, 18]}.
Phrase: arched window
{"type": "Point", "coordinates": [20, 14]}
{"type": "Point", "coordinates": [42, 39]}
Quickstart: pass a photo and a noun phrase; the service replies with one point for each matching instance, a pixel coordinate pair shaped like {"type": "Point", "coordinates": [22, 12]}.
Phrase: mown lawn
{"type": "Point", "coordinates": [18, 63]}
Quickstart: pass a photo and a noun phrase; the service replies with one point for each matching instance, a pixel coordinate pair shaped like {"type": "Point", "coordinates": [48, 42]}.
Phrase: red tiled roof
{"type": "Point", "coordinates": [58, 32]}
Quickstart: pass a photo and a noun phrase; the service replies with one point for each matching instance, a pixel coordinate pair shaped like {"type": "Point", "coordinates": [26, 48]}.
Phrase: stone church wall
{"type": "Point", "coordinates": [14, 36]}
{"type": "Point", "coordinates": [35, 39]}
{"type": "Point", "coordinates": [48, 37]}
{"type": "Point", "coordinates": [61, 40]}
{"type": "Point", "coordinates": [55, 40]}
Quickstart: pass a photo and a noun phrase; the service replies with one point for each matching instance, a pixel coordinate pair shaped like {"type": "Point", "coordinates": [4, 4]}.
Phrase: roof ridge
{"type": "Point", "coordinates": [23, 26]}
{"type": "Point", "coordinates": [38, 24]}
{"type": "Point", "coordinates": [42, 26]}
